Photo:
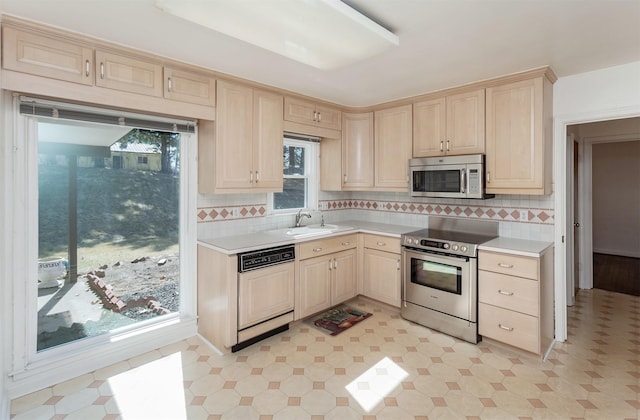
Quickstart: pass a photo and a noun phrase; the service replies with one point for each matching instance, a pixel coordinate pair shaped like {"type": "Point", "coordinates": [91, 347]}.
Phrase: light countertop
{"type": "Point", "coordinates": [522, 247]}
{"type": "Point", "coordinates": [266, 239]}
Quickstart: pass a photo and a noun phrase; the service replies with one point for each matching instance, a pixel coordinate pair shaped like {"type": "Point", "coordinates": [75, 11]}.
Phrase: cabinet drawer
{"type": "Point", "coordinates": [509, 327]}
{"type": "Point", "coordinates": [509, 292]}
{"type": "Point", "coordinates": [512, 265]}
{"type": "Point", "coordinates": [326, 246]}
{"type": "Point", "coordinates": [382, 243]}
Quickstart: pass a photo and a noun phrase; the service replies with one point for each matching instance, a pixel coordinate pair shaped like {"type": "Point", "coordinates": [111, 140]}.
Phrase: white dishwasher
{"type": "Point", "coordinates": [265, 293]}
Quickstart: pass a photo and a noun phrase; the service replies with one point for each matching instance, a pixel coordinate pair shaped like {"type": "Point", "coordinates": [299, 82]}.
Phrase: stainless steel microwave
{"type": "Point", "coordinates": [448, 177]}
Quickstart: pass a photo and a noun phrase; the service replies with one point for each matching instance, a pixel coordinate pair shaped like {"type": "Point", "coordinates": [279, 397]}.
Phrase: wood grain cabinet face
{"type": "Point", "coordinates": [246, 151]}
{"type": "Point", "coordinates": [115, 71]}
{"type": "Point", "coordinates": [186, 86]}
{"type": "Point", "coordinates": [296, 110]}
{"type": "Point", "coordinates": [357, 150]}
{"type": "Point", "coordinates": [452, 125]}
{"type": "Point", "coordinates": [515, 299]}
{"type": "Point", "coordinates": [327, 274]}
{"type": "Point", "coordinates": [518, 138]}
{"type": "Point", "coordinates": [382, 276]}
{"type": "Point", "coordinates": [392, 134]}
{"type": "Point", "coordinates": [46, 56]}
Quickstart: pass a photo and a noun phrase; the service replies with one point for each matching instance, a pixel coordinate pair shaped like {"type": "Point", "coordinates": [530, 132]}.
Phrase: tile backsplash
{"type": "Point", "coordinates": [529, 217]}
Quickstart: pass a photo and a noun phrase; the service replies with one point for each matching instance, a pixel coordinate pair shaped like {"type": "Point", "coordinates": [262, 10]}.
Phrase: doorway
{"type": "Point", "coordinates": [607, 229]}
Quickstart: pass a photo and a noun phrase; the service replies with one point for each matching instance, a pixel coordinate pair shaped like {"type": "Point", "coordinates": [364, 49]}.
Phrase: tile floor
{"type": "Point", "coordinates": [384, 367]}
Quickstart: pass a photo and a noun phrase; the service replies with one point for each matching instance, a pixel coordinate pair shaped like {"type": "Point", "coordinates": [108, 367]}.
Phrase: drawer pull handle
{"type": "Point", "coordinates": [503, 265]}
{"type": "Point", "coordinates": [346, 243]}
{"type": "Point", "coordinates": [381, 244]}
{"type": "Point", "coordinates": [502, 292]}
{"type": "Point", "coordinates": [505, 328]}
{"type": "Point", "coordinates": [317, 249]}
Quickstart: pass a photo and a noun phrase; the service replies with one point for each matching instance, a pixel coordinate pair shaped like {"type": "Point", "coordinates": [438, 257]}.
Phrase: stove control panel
{"type": "Point", "coordinates": [439, 245]}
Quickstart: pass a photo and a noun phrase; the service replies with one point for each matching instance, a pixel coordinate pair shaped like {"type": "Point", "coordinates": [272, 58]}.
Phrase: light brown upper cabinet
{"type": "Point", "coordinates": [519, 124]}
{"type": "Point", "coordinates": [68, 59]}
{"type": "Point", "coordinates": [451, 125]}
{"type": "Point", "coordinates": [245, 153]}
{"type": "Point", "coordinates": [115, 71]}
{"type": "Point", "coordinates": [45, 56]}
{"type": "Point", "coordinates": [357, 151]}
{"type": "Point", "coordinates": [304, 112]}
{"type": "Point", "coordinates": [392, 133]}
{"type": "Point", "coordinates": [185, 86]}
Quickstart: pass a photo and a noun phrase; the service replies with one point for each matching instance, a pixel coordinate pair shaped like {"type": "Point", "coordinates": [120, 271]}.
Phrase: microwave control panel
{"type": "Point", "coordinates": [474, 181]}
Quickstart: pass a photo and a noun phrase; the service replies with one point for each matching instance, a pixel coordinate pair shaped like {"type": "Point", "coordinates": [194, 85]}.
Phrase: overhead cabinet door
{"type": "Point", "coordinates": [49, 57]}
{"type": "Point", "coordinates": [119, 72]}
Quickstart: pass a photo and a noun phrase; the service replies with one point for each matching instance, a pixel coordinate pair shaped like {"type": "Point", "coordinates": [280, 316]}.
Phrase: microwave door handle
{"type": "Point", "coordinates": [463, 184]}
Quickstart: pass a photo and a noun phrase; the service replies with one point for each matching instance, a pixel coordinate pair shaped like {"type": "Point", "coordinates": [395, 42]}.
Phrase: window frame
{"type": "Point", "coordinates": [312, 160]}
{"type": "Point", "coordinates": [29, 369]}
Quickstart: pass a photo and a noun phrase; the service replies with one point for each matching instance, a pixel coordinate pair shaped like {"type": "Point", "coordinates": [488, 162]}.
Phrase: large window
{"type": "Point", "coordinates": [300, 184]}
{"type": "Point", "coordinates": [108, 253]}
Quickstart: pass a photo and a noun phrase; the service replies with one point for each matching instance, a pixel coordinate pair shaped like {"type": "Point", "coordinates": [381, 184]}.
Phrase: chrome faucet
{"type": "Point", "coordinates": [299, 217]}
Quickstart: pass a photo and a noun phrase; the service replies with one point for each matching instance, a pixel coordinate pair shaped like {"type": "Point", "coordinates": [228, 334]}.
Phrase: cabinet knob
{"type": "Point", "coordinates": [505, 327]}
{"type": "Point", "coordinates": [346, 243]}
{"type": "Point", "coordinates": [257, 177]}
{"type": "Point", "coordinates": [102, 70]}
{"type": "Point", "coordinates": [441, 146]}
{"type": "Point", "coordinates": [87, 68]}
{"type": "Point", "coordinates": [448, 146]}
{"type": "Point", "coordinates": [489, 177]}
{"type": "Point", "coordinates": [170, 84]}
{"type": "Point", "coordinates": [317, 249]}
{"type": "Point", "coordinates": [502, 292]}
{"type": "Point", "coordinates": [503, 265]}
{"type": "Point", "coordinates": [381, 244]}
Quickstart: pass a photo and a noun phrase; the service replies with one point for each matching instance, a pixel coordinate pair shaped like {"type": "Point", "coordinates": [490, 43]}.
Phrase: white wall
{"type": "Point", "coordinates": [603, 94]}
{"type": "Point", "coordinates": [616, 198]}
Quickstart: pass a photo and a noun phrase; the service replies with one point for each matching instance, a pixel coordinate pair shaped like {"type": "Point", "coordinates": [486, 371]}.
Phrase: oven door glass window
{"type": "Point", "coordinates": [437, 275]}
{"type": "Point", "coordinates": [437, 181]}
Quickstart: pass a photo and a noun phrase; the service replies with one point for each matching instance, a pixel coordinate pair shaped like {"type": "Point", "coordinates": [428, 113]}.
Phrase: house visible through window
{"type": "Point", "coordinates": [300, 184]}
{"type": "Point", "coordinates": [143, 160]}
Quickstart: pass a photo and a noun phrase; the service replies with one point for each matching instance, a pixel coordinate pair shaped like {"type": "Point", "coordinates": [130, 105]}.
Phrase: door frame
{"type": "Point", "coordinates": [564, 259]}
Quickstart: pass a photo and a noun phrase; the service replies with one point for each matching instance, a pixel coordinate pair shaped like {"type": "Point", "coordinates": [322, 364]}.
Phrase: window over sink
{"type": "Point", "coordinates": [300, 173]}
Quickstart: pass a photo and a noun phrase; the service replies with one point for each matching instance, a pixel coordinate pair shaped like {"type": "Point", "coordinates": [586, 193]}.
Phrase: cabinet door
{"type": "Point", "coordinates": [344, 278]}
{"type": "Point", "coordinates": [315, 286]}
{"type": "Point", "coordinates": [186, 86]}
{"type": "Point", "coordinates": [234, 136]}
{"type": "Point", "coordinates": [328, 117]}
{"type": "Point", "coordinates": [299, 111]}
{"type": "Point", "coordinates": [133, 75]}
{"type": "Point", "coordinates": [429, 125]}
{"type": "Point", "coordinates": [393, 134]}
{"type": "Point", "coordinates": [35, 54]}
{"type": "Point", "coordinates": [265, 293]}
{"type": "Point", "coordinates": [267, 141]}
{"type": "Point", "coordinates": [515, 138]}
{"type": "Point", "coordinates": [331, 164]}
{"type": "Point", "coordinates": [357, 151]}
{"type": "Point", "coordinates": [382, 276]}
{"type": "Point", "coordinates": [465, 123]}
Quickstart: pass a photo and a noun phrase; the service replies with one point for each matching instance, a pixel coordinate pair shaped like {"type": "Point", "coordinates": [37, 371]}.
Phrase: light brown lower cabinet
{"type": "Point", "coordinates": [515, 295]}
{"type": "Point", "coordinates": [382, 273]}
{"type": "Point", "coordinates": [327, 279]}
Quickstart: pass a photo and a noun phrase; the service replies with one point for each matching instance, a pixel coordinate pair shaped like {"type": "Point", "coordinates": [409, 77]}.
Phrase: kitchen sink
{"type": "Point", "coordinates": [309, 230]}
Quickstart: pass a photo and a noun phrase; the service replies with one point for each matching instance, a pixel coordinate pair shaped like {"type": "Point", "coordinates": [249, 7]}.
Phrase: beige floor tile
{"type": "Point", "coordinates": [304, 373]}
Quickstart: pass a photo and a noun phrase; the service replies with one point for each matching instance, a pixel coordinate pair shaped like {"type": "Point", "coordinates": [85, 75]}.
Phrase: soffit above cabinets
{"type": "Point", "coordinates": [442, 43]}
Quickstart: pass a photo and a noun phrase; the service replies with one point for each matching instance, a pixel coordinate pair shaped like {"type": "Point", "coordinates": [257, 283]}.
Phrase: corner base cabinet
{"type": "Point", "coordinates": [327, 274]}
{"type": "Point", "coordinates": [515, 299]}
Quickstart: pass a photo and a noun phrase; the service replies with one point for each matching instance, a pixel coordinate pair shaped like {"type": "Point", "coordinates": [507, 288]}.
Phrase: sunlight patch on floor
{"type": "Point", "coordinates": [376, 383]}
{"type": "Point", "coordinates": [151, 391]}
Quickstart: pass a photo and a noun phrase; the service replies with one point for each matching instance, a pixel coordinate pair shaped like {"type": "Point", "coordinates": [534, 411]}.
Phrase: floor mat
{"type": "Point", "coordinates": [339, 319]}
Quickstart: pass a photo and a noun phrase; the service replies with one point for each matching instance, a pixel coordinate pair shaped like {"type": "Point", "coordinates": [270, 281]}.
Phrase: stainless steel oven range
{"type": "Point", "coordinates": [440, 277]}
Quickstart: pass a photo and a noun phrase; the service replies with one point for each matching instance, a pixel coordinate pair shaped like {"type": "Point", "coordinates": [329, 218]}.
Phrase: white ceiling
{"type": "Point", "coordinates": [443, 43]}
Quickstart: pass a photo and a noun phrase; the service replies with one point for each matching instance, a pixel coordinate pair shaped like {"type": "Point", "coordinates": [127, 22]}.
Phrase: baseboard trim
{"type": "Point", "coordinates": [617, 252]}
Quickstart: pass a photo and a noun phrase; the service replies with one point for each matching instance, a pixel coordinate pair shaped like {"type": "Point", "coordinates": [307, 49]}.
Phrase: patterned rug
{"type": "Point", "coordinates": [339, 319]}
